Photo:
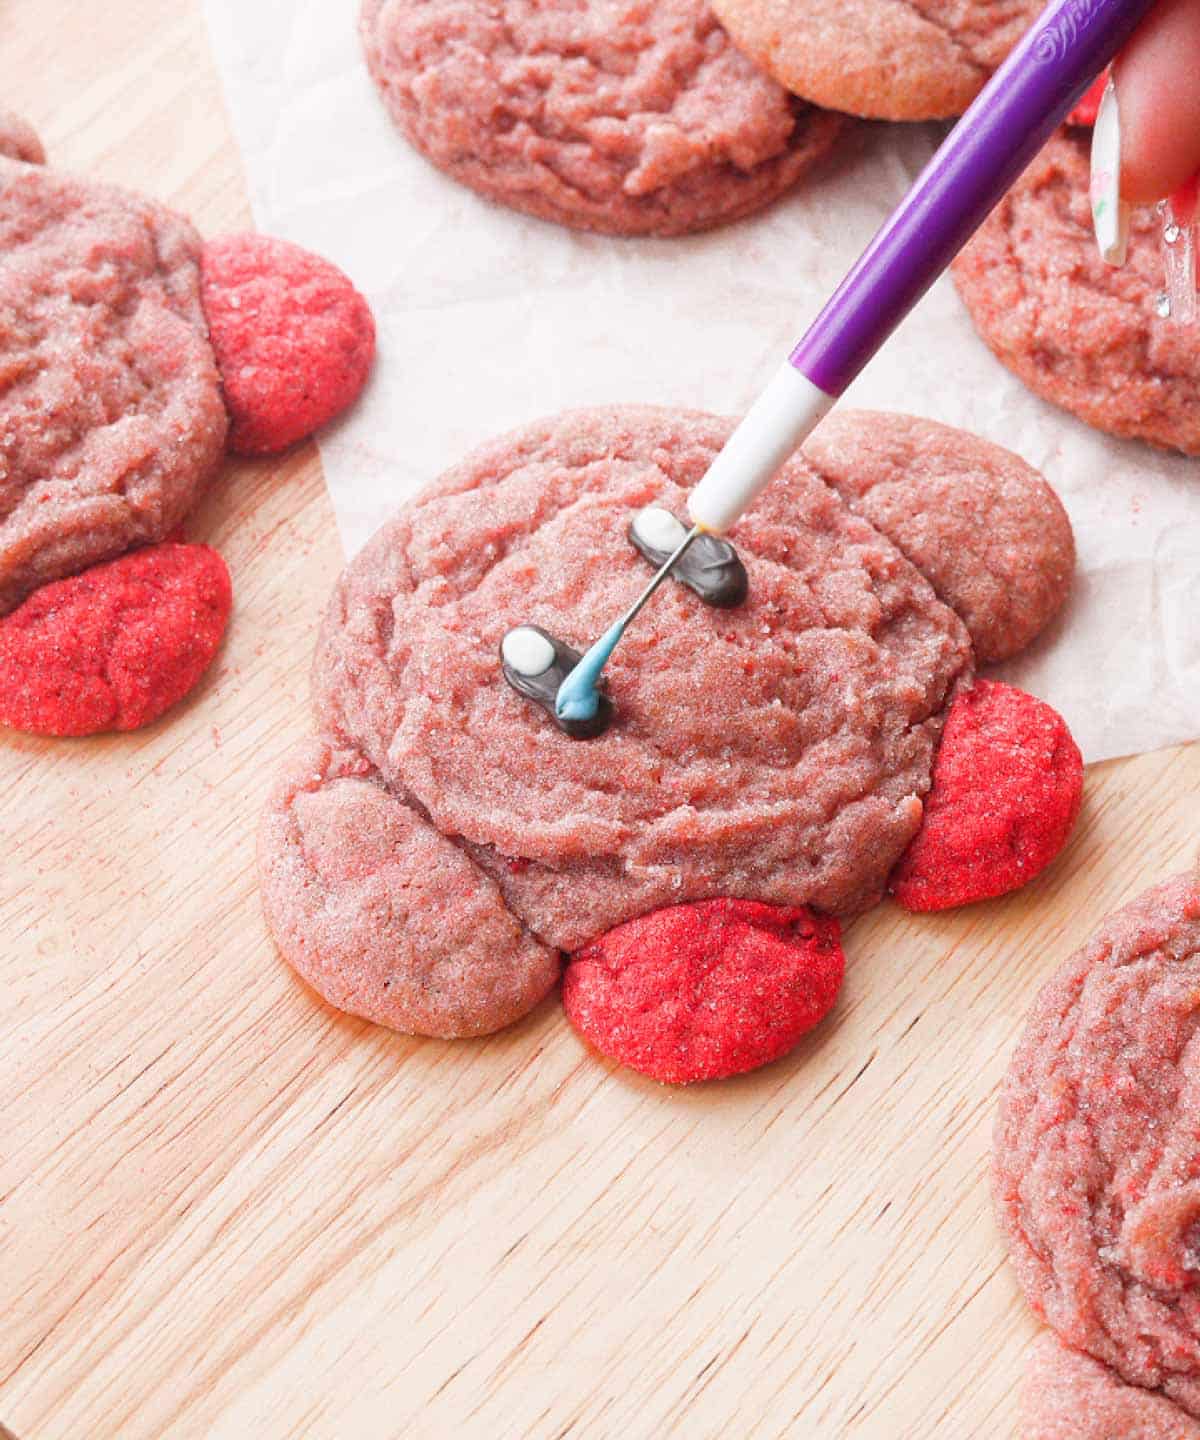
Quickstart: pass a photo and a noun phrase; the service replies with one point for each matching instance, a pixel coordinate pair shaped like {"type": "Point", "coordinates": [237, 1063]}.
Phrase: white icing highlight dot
{"type": "Point", "coordinates": [658, 528]}
{"type": "Point", "coordinates": [527, 652]}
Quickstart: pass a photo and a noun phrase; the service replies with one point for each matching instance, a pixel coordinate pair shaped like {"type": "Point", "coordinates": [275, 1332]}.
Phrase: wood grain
{"type": "Point", "coordinates": [227, 1211]}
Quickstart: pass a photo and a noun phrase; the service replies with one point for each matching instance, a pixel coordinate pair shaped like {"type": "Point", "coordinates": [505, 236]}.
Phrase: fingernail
{"type": "Point", "coordinates": [1110, 214]}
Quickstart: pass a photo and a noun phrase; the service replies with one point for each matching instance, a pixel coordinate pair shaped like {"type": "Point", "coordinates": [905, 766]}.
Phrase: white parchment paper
{"type": "Point", "coordinates": [488, 319]}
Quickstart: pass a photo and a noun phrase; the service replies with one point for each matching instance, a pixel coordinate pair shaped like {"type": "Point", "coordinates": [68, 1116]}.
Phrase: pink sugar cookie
{"type": "Point", "coordinates": [636, 118]}
{"type": "Point", "coordinates": [1097, 1162]}
{"type": "Point", "coordinates": [111, 417]}
{"type": "Point", "coordinates": [884, 59]}
{"type": "Point", "coordinates": [1078, 332]}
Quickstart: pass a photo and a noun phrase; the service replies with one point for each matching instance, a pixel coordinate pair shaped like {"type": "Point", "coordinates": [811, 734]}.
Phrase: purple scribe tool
{"type": "Point", "coordinates": [1065, 49]}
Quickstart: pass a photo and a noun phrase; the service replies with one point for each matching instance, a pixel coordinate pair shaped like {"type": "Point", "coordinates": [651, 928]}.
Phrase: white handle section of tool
{"type": "Point", "coordinates": [788, 410]}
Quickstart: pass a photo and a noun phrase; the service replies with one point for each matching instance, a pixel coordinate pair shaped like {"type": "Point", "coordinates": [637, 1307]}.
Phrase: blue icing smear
{"type": "Point", "coordinates": [577, 698]}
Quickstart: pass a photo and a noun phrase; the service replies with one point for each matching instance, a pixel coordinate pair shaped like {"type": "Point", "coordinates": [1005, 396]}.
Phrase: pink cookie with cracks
{"type": "Point", "coordinates": [885, 59]}
{"type": "Point", "coordinates": [1097, 1162]}
{"type": "Point", "coordinates": [1080, 333]}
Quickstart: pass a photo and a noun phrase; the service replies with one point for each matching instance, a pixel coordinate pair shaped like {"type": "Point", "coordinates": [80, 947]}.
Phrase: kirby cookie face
{"type": "Point", "coordinates": [134, 353]}
{"type": "Point", "coordinates": [779, 752]}
{"type": "Point", "coordinates": [1097, 1159]}
{"type": "Point", "coordinates": [640, 118]}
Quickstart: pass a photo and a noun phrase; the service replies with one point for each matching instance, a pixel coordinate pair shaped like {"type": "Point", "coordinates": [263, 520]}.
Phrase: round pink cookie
{"type": "Point", "coordinates": [111, 418]}
{"type": "Point", "coordinates": [886, 59]}
{"type": "Point", "coordinates": [1097, 1161]}
{"type": "Point", "coordinates": [1077, 331]}
{"type": "Point", "coordinates": [381, 914]}
{"type": "Point", "coordinates": [1070, 1396]}
{"type": "Point", "coordinates": [19, 140]}
{"type": "Point", "coordinates": [633, 118]}
{"type": "Point", "coordinates": [975, 519]}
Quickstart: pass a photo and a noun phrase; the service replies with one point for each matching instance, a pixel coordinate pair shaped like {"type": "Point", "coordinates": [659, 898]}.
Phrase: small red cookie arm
{"type": "Point", "coordinates": [706, 990]}
{"type": "Point", "coordinates": [115, 646]}
{"type": "Point", "coordinates": [294, 339]}
{"type": "Point", "coordinates": [1007, 786]}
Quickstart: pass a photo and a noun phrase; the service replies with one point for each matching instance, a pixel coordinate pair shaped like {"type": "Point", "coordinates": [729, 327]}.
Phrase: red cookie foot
{"type": "Point", "coordinates": [1089, 107]}
{"type": "Point", "coordinates": [1007, 784]}
{"type": "Point", "coordinates": [115, 646]}
{"type": "Point", "coordinates": [699, 992]}
{"type": "Point", "coordinates": [293, 338]}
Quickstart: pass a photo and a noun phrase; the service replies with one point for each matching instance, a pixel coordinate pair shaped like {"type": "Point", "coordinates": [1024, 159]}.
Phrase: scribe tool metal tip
{"type": "Point", "coordinates": [577, 697]}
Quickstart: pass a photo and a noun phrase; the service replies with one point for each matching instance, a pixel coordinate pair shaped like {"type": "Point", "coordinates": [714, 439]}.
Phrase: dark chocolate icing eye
{"type": "Point", "coordinates": [710, 566]}
{"type": "Point", "coordinates": [535, 664]}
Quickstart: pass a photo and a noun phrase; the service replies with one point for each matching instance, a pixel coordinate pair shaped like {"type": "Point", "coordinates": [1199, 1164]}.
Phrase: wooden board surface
{"type": "Point", "coordinates": [227, 1211]}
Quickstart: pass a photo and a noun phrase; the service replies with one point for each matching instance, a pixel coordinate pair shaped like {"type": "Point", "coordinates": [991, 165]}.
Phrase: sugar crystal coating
{"type": "Point", "coordinates": [115, 646]}
{"type": "Point", "coordinates": [381, 914]}
{"type": "Point", "coordinates": [982, 526]}
{"type": "Point", "coordinates": [111, 418]}
{"type": "Point", "coordinates": [1081, 333]}
{"type": "Point", "coordinates": [701, 992]}
{"type": "Point", "coordinates": [293, 338]}
{"type": "Point", "coordinates": [1069, 1396]}
{"type": "Point", "coordinates": [1007, 786]}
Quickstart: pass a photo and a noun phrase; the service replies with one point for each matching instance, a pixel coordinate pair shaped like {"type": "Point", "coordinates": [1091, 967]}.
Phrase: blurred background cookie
{"type": "Point", "coordinates": [883, 59]}
{"type": "Point", "coordinates": [633, 119]}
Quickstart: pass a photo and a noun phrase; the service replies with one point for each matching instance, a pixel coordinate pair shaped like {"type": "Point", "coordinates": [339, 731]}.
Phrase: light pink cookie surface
{"type": "Point", "coordinates": [632, 118]}
{"type": "Point", "coordinates": [111, 417]}
{"type": "Point", "coordinates": [886, 59]}
{"type": "Point", "coordinates": [1081, 333]}
{"type": "Point", "coordinates": [1070, 1396]}
{"type": "Point", "coordinates": [978, 522]}
{"type": "Point", "coordinates": [1097, 1162]}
